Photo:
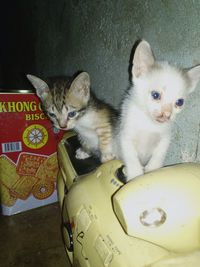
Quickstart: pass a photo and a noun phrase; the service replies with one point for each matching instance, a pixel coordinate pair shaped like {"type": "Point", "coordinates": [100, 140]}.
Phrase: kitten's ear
{"type": "Point", "coordinates": [143, 59]}
{"type": "Point", "coordinates": [80, 86]}
{"type": "Point", "coordinates": [194, 76]}
{"type": "Point", "coordinates": [42, 89]}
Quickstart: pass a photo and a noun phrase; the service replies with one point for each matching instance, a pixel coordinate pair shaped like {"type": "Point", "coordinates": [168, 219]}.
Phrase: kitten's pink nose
{"type": "Point", "coordinates": [165, 113]}
{"type": "Point", "coordinates": [164, 116]}
{"type": "Point", "coordinates": [63, 124]}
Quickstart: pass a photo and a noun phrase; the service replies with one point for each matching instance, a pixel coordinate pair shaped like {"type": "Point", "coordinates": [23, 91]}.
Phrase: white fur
{"type": "Point", "coordinates": [145, 128]}
{"type": "Point", "coordinates": [81, 154]}
{"type": "Point", "coordinates": [139, 136]}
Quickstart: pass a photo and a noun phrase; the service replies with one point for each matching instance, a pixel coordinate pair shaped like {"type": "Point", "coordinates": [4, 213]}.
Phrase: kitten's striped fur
{"type": "Point", "coordinates": [76, 107]}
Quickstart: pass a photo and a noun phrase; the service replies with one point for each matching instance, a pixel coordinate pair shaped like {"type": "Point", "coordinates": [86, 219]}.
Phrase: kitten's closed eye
{"type": "Point", "coordinates": [179, 102]}
{"type": "Point", "coordinates": [53, 115]}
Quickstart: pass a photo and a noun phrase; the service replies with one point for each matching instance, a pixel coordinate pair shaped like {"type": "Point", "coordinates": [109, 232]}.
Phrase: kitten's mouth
{"type": "Point", "coordinates": [162, 119]}
{"type": "Point", "coordinates": [64, 128]}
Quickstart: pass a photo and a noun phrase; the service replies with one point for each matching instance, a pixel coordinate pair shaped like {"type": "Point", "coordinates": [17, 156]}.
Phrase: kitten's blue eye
{"type": "Point", "coordinates": [72, 114]}
{"type": "Point", "coordinates": [180, 102]}
{"type": "Point", "coordinates": [155, 95]}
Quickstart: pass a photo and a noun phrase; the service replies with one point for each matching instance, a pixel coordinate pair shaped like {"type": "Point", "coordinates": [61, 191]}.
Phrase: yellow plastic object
{"type": "Point", "coordinates": [65, 166]}
{"type": "Point", "coordinates": [163, 207]}
{"type": "Point", "coordinates": [153, 221]}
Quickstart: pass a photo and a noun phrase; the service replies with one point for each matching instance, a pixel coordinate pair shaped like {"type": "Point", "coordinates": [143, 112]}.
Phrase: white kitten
{"type": "Point", "coordinates": [148, 109]}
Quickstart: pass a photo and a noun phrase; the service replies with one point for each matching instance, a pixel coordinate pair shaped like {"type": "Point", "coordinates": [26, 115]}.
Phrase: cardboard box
{"type": "Point", "coordinates": [28, 157]}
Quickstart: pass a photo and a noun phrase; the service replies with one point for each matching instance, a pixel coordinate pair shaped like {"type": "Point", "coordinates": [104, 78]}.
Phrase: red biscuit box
{"type": "Point", "coordinates": [28, 144]}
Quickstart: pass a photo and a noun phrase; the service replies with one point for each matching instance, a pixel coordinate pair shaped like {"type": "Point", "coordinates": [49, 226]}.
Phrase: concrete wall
{"type": "Point", "coordinates": [61, 37]}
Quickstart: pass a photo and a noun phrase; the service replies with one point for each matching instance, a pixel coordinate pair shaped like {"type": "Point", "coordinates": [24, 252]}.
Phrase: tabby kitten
{"type": "Point", "coordinates": [76, 107]}
{"type": "Point", "coordinates": [152, 103]}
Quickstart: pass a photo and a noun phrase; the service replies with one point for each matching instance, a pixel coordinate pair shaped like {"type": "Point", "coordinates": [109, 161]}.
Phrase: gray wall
{"type": "Point", "coordinates": [64, 36]}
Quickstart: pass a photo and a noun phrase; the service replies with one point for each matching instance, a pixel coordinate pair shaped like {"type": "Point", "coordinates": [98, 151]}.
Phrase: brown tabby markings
{"type": "Point", "coordinates": [93, 120]}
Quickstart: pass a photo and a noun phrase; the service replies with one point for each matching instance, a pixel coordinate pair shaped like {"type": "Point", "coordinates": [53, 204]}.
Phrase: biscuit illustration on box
{"type": "Point", "coordinates": [23, 187]}
{"type": "Point", "coordinates": [49, 169]}
{"type": "Point", "coordinates": [43, 189]}
{"type": "Point", "coordinates": [47, 174]}
{"type": "Point", "coordinates": [8, 174]}
{"type": "Point", "coordinates": [33, 174]}
{"type": "Point", "coordinates": [8, 177]}
{"type": "Point", "coordinates": [6, 198]}
{"type": "Point", "coordinates": [27, 167]}
{"type": "Point", "coordinates": [28, 164]}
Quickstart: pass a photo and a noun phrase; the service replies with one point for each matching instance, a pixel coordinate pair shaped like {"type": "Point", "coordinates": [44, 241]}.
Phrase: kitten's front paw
{"type": "Point", "coordinates": [81, 154]}
{"type": "Point", "coordinates": [152, 167]}
{"type": "Point", "coordinates": [107, 157]}
{"type": "Point", "coordinates": [134, 172]}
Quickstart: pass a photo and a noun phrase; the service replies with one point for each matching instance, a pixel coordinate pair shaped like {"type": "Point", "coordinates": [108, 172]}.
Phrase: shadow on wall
{"type": "Point", "coordinates": [131, 59]}
{"type": "Point", "coordinates": [17, 44]}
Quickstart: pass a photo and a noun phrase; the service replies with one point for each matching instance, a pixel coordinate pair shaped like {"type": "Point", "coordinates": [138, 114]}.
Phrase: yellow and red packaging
{"type": "Point", "coordinates": [28, 153]}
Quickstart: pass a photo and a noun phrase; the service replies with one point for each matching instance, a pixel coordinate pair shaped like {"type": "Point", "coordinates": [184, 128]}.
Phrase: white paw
{"type": "Point", "coordinates": [134, 172]}
{"type": "Point", "coordinates": [81, 154]}
{"type": "Point", "coordinates": [107, 157]}
{"type": "Point", "coordinates": [152, 167]}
